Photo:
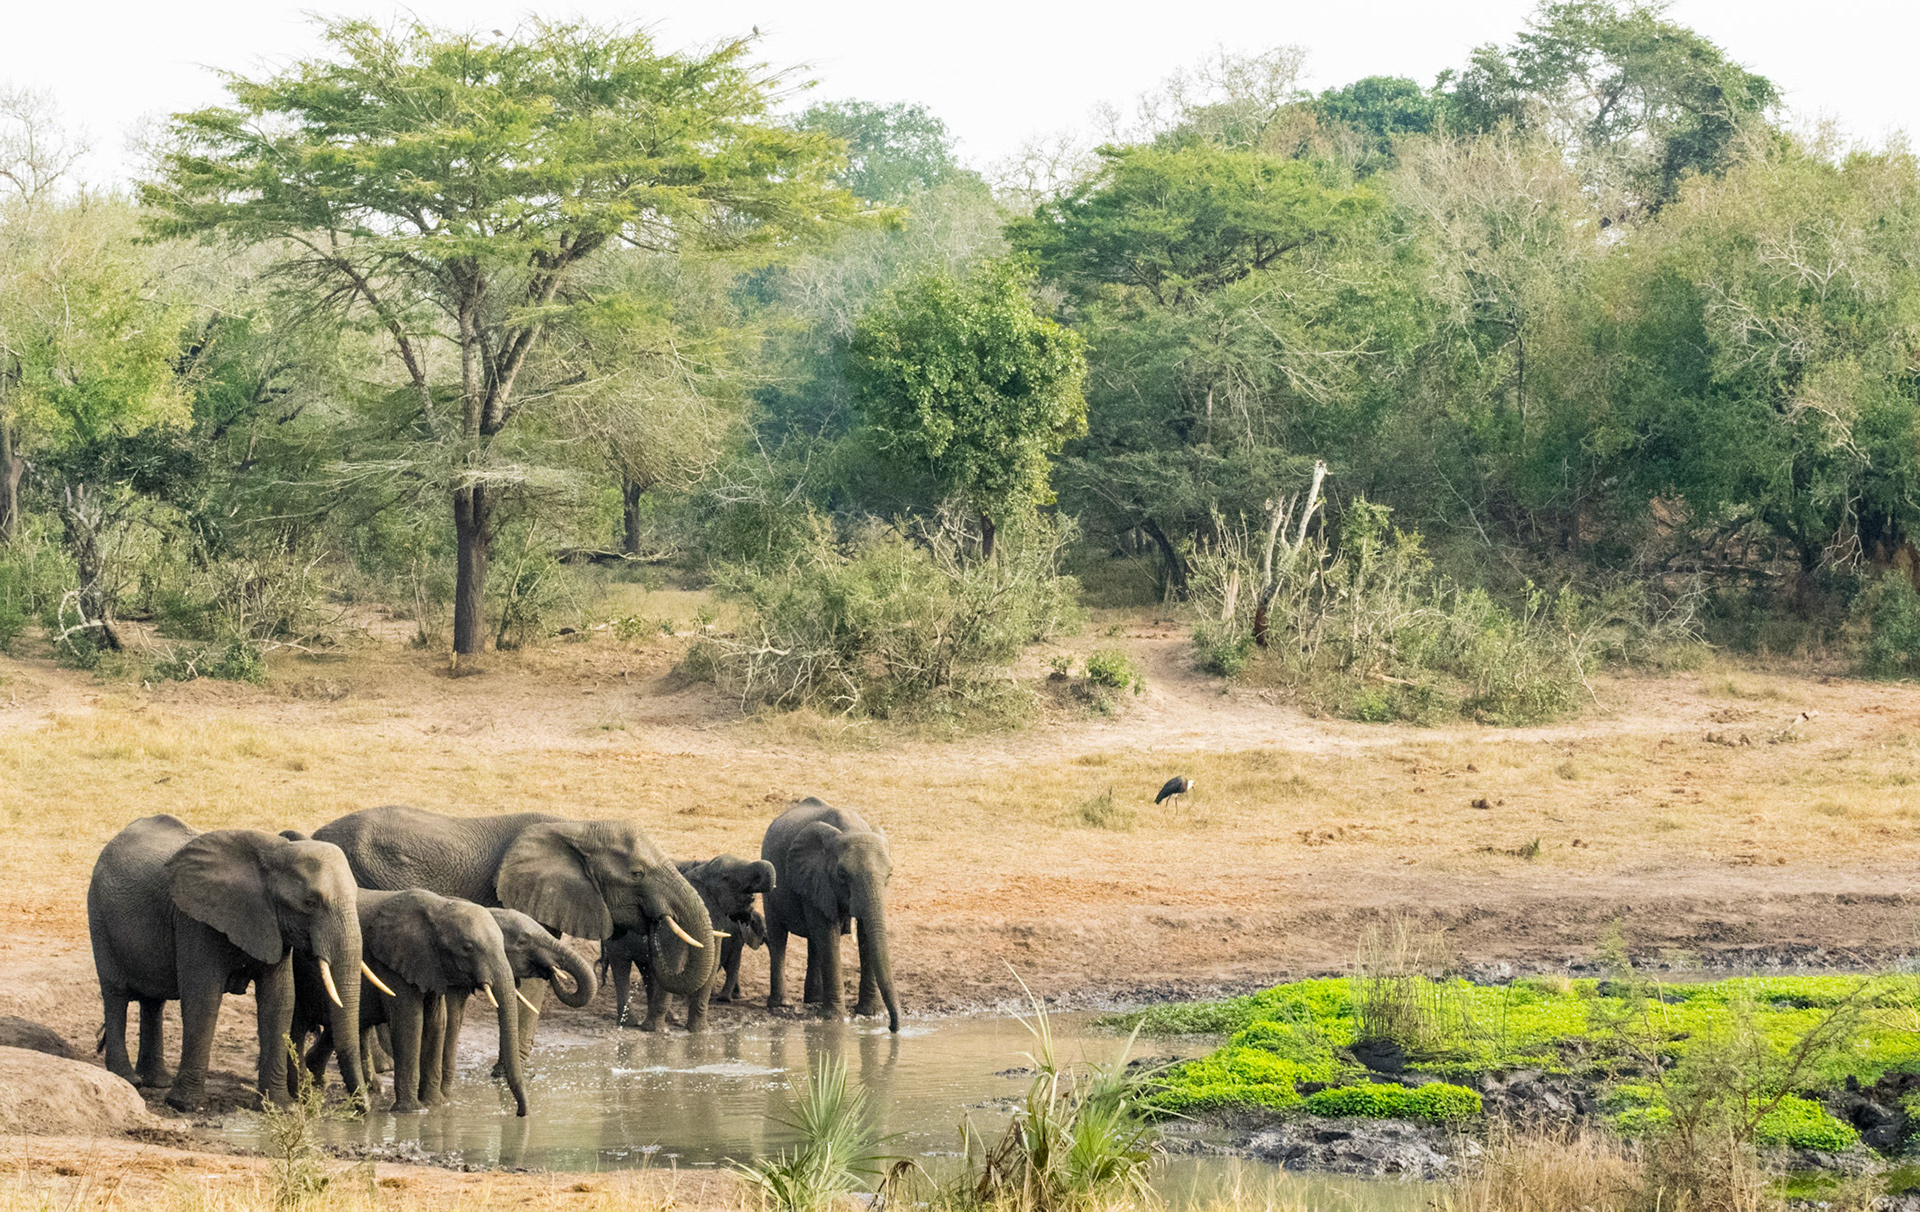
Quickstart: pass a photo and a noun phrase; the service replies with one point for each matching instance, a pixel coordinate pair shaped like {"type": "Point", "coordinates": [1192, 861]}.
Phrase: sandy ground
{"type": "Point", "coordinates": [1736, 817]}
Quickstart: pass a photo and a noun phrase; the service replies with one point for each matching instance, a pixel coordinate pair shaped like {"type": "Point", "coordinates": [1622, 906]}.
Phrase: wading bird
{"type": "Point", "coordinates": [1178, 785]}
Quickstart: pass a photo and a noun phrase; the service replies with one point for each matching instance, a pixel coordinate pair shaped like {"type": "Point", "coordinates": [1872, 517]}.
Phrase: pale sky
{"type": "Point", "coordinates": [997, 71]}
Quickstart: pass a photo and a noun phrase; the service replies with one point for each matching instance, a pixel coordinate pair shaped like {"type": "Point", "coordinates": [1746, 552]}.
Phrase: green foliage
{"type": "Point", "coordinates": [964, 380]}
{"type": "Point", "coordinates": [1115, 670]}
{"type": "Point", "coordinates": [1435, 1102]}
{"type": "Point", "coordinates": [838, 1151]}
{"type": "Point", "coordinates": [1100, 812]}
{"type": "Point", "coordinates": [893, 151]}
{"type": "Point", "coordinates": [299, 1171]}
{"type": "Point", "coordinates": [1383, 108]}
{"type": "Point", "coordinates": [884, 623]}
{"type": "Point", "coordinates": [235, 660]}
{"type": "Point", "coordinates": [1886, 624]}
{"type": "Point", "coordinates": [1800, 1123]}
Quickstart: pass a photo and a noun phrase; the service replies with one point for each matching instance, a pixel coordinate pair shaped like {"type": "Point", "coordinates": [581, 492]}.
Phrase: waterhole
{"type": "Point", "coordinates": [603, 1098]}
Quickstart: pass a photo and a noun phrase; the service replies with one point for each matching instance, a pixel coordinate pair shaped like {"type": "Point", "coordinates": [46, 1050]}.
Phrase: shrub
{"type": "Point", "coordinates": [838, 1150]}
{"type": "Point", "coordinates": [1101, 812]}
{"type": "Point", "coordinates": [887, 621]}
{"type": "Point", "coordinates": [1113, 669]}
{"type": "Point", "coordinates": [235, 660]}
{"type": "Point", "coordinates": [1801, 1123]}
{"type": "Point", "coordinates": [1436, 1102]}
{"type": "Point", "coordinates": [1884, 626]}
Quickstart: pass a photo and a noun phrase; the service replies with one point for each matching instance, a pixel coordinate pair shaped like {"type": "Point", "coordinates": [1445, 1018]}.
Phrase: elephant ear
{"type": "Point", "coordinates": [544, 875]}
{"type": "Point", "coordinates": [218, 878]}
{"type": "Point", "coordinates": [811, 860]}
{"type": "Point", "coordinates": [406, 937]}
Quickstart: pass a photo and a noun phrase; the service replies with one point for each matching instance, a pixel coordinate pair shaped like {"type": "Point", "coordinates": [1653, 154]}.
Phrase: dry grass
{"type": "Point", "coordinates": [1576, 1172]}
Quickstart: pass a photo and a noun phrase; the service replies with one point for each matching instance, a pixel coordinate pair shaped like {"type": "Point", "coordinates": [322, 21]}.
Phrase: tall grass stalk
{"type": "Point", "coordinates": [1077, 1141]}
{"type": "Point", "coordinates": [839, 1151]}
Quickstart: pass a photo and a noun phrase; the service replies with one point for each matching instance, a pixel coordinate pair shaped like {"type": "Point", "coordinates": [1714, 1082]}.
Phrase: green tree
{"type": "Point", "coordinates": [1641, 101]}
{"type": "Point", "coordinates": [963, 378]}
{"type": "Point", "coordinates": [1382, 109]}
{"type": "Point", "coordinates": [893, 151]}
{"type": "Point", "coordinates": [451, 189]}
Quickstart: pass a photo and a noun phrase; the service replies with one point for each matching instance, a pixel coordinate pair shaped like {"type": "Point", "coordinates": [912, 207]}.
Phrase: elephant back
{"type": "Point", "coordinates": [396, 847]}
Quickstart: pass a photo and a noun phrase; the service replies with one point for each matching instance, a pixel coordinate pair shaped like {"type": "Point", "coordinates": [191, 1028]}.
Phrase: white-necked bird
{"type": "Point", "coordinates": [1178, 785]}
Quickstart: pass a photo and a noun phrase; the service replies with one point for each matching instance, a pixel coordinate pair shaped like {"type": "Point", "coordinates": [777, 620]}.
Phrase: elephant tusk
{"type": "Point", "coordinates": [523, 1001]}
{"type": "Point", "coordinates": [377, 982]}
{"type": "Point", "coordinates": [721, 934]}
{"type": "Point", "coordinates": [326, 978]}
{"type": "Point", "coordinates": [564, 980]}
{"type": "Point", "coordinates": [686, 938]}
{"type": "Point", "coordinates": [491, 999]}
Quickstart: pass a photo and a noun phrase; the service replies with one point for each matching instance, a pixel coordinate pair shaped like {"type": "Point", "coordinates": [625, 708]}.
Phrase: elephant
{"type": "Point", "coordinates": [727, 884]}
{"type": "Point", "coordinates": [538, 960]}
{"type": "Point", "coordinates": [176, 914]}
{"type": "Point", "coordinates": [831, 871]}
{"type": "Point", "coordinates": [429, 953]}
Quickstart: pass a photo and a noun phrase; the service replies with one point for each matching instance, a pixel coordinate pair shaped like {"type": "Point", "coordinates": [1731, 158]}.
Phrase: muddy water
{"type": "Point", "coordinates": [607, 1099]}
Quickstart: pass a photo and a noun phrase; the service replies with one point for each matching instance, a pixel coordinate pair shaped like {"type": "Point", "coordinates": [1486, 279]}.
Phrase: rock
{"type": "Point", "coordinates": [49, 1096]}
{"type": "Point", "coordinates": [1373, 1148]}
{"type": "Point", "coordinates": [25, 1033]}
{"type": "Point", "coordinates": [1380, 1055]}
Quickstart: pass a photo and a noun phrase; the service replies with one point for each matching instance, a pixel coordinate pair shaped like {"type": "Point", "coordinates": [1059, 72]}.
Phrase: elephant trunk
{"type": "Point", "coordinates": [684, 969]}
{"type": "Point", "coordinates": [337, 944]}
{"type": "Point", "coordinates": [870, 915]}
{"type": "Point", "coordinates": [512, 1064]}
{"type": "Point", "coordinates": [566, 959]}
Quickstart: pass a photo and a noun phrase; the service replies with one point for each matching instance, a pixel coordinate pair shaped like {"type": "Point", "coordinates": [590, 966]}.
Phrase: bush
{"type": "Point", "coordinates": [889, 621]}
{"type": "Point", "coordinates": [234, 661]}
{"type": "Point", "coordinates": [1113, 669]}
{"type": "Point", "coordinates": [1436, 1102]}
{"type": "Point", "coordinates": [1101, 812]}
{"type": "Point", "coordinates": [1801, 1123]}
{"type": "Point", "coordinates": [1884, 627]}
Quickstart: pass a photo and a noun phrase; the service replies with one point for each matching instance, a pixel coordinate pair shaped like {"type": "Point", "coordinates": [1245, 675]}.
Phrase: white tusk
{"type": "Point", "coordinates": [491, 999]}
{"type": "Point", "coordinates": [377, 982]}
{"type": "Point", "coordinates": [523, 1001]}
{"type": "Point", "coordinates": [721, 934]}
{"type": "Point", "coordinates": [684, 936]}
{"type": "Point", "coordinates": [326, 978]}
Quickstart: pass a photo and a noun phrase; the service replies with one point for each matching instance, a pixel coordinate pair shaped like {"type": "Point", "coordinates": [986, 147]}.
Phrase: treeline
{"type": "Point", "coordinates": [1593, 344]}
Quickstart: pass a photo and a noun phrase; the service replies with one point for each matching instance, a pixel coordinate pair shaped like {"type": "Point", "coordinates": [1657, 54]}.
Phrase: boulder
{"type": "Point", "coordinates": [25, 1033]}
{"type": "Point", "coordinates": [49, 1096]}
{"type": "Point", "coordinates": [1373, 1148]}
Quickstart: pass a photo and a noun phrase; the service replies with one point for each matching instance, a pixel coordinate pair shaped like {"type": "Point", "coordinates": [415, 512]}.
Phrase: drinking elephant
{"type": "Point", "coordinates": [582, 878]}
{"type": "Point", "coordinates": [727, 885]}
{"type": "Point", "coordinates": [538, 960]}
{"type": "Point", "coordinates": [176, 914]}
{"type": "Point", "coordinates": [432, 952]}
{"type": "Point", "coordinates": [831, 871]}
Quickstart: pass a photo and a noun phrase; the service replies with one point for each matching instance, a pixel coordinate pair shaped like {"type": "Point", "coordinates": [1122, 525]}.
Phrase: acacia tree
{"type": "Point", "coordinates": [452, 188]}
{"type": "Point", "coordinates": [963, 378]}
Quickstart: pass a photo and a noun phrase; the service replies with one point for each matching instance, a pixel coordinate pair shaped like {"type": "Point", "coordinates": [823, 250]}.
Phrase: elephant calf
{"type": "Point", "coordinates": [727, 886]}
{"type": "Point", "coordinates": [432, 952]}
{"type": "Point", "coordinates": [831, 871]}
{"type": "Point", "coordinates": [539, 960]}
{"type": "Point", "coordinates": [175, 914]}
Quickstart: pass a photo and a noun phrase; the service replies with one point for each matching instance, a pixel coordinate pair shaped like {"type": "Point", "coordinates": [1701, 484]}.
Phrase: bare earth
{"type": "Point", "coordinates": [1736, 817]}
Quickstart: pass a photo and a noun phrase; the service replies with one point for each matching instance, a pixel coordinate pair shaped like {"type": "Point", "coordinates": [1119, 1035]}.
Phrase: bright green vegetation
{"type": "Point", "coordinates": [1605, 1031]}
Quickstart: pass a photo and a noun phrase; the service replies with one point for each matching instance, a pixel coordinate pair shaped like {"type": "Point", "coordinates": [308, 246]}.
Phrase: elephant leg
{"type": "Point", "coordinates": [656, 1019]}
{"type": "Point", "coordinates": [833, 999]}
{"type": "Point", "coordinates": [405, 1022]}
{"type": "Point", "coordinates": [697, 1006]}
{"type": "Point", "coordinates": [273, 1023]}
{"type": "Point", "coordinates": [114, 1035]}
{"type": "Point", "coordinates": [810, 995]}
{"type": "Point", "coordinates": [621, 973]}
{"type": "Point", "coordinates": [383, 1047]}
{"type": "Point", "coordinates": [200, 997]}
{"type": "Point", "coordinates": [730, 965]}
{"type": "Point", "coordinates": [151, 1070]}
{"type": "Point", "coordinates": [367, 1037]}
{"type": "Point", "coordinates": [776, 965]}
{"type": "Point", "coordinates": [456, 1020]}
{"type": "Point", "coordinates": [315, 1061]}
{"type": "Point", "coordinates": [433, 1041]}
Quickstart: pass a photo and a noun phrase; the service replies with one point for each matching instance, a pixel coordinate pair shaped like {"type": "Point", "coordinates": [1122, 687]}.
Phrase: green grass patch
{"type": "Point", "coordinates": [1435, 1102]}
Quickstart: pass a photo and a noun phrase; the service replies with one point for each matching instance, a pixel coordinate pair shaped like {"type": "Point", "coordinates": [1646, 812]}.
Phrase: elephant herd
{"type": "Point", "coordinates": [389, 921]}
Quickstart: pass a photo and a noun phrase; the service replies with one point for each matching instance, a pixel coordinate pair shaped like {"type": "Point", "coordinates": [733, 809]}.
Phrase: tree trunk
{"type": "Point", "coordinates": [986, 537]}
{"type": "Point", "coordinates": [630, 493]}
{"type": "Point", "coordinates": [472, 517]}
{"type": "Point", "coordinates": [12, 467]}
{"type": "Point", "coordinates": [1173, 567]}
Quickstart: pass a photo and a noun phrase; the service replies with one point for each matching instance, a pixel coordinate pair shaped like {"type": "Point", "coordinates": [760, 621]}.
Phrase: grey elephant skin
{"type": "Point", "coordinates": [831, 871]}
{"type": "Point", "coordinates": [728, 885]}
{"type": "Point", "coordinates": [435, 952]}
{"type": "Point", "coordinates": [574, 877]}
{"type": "Point", "coordinates": [179, 915]}
{"type": "Point", "coordinates": [539, 960]}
